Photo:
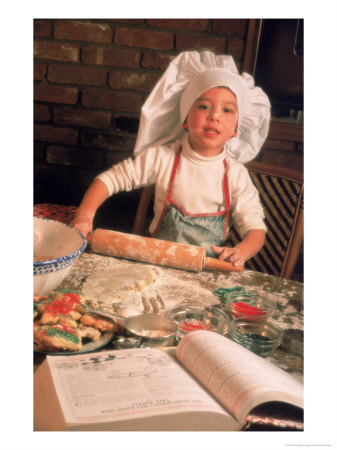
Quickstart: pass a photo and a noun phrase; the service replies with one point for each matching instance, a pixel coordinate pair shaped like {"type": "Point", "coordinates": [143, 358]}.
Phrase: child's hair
{"type": "Point", "coordinates": [187, 76]}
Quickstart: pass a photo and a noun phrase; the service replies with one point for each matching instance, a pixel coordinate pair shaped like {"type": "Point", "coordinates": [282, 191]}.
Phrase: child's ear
{"type": "Point", "coordinates": [235, 133]}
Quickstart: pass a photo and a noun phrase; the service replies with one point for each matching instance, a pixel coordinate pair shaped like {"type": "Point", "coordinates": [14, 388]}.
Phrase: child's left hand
{"type": "Point", "coordinates": [234, 255]}
{"type": "Point", "coordinates": [251, 244]}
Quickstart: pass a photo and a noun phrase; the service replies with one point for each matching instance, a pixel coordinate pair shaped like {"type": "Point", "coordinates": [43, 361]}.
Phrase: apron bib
{"type": "Point", "coordinates": [202, 230]}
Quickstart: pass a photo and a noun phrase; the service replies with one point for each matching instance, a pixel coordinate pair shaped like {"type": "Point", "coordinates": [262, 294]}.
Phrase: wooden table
{"type": "Point", "coordinates": [179, 286]}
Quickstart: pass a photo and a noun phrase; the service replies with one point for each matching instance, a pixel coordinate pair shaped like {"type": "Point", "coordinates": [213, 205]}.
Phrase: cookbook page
{"type": "Point", "coordinates": [125, 384]}
{"type": "Point", "coordinates": [238, 378]}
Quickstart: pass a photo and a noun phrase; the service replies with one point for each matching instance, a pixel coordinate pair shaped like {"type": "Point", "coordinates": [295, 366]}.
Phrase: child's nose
{"type": "Point", "coordinates": [215, 113]}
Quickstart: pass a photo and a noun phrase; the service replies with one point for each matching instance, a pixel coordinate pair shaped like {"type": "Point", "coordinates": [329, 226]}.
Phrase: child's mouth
{"type": "Point", "coordinates": [211, 131]}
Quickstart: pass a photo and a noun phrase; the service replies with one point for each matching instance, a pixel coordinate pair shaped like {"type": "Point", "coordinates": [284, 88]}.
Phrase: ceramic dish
{"type": "Point", "coordinates": [56, 247]}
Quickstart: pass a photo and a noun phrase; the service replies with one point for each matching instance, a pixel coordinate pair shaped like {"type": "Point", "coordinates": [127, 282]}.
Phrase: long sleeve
{"type": "Point", "coordinates": [131, 173]}
{"type": "Point", "coordinates": [246, 208]}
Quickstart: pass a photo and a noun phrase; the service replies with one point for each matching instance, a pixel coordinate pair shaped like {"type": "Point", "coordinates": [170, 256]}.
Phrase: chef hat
{"type": "Point", "coordinates": [187, 76]}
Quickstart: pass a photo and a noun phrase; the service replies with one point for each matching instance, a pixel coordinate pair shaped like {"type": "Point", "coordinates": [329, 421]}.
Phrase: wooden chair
{"type": "Point", "coordinates": [143, 215]}
{"type": "Point", "coordinates": [281, 194]}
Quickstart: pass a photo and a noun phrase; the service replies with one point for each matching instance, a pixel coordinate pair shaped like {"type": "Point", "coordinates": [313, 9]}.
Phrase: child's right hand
{"type": "Point", "coordinates": [93, 198]}
{"type": "Point", "coordinates": [83, 222]}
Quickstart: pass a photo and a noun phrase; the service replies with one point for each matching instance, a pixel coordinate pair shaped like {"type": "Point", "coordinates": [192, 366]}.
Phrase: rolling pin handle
{"type": "Point", "coordinates": [224, 266]}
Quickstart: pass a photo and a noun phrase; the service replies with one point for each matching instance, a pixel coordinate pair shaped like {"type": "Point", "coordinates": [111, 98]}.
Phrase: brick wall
{"type": "Point", "coordinates": [91, 78]}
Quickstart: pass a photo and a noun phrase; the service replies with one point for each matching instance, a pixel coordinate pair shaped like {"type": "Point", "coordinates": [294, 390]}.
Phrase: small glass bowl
{"type": "Point", "coordinates": [194, 317]}
{"type": "Point", "coordinates": [249, 306]}
{"type": "Point", "coordinates": [261, 338]}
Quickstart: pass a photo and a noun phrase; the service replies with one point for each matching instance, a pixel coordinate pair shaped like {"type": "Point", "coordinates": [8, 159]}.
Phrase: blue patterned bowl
{"type": "Point", "coordinates": [56, 247]}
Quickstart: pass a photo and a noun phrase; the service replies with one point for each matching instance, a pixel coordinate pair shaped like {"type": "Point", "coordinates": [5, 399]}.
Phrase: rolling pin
{"type": "Point", "coordinates": [155, 251]}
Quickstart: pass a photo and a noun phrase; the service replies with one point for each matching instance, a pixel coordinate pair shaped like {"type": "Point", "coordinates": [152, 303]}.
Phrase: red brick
{"type": "Point", "coordinates": [152, 60]}
{"type": "Point", "coordinates": [230, 27]}
{"type": "Point", "coordinates": [41, 113]}
{"type": "Point", "coordinates": [180, 24]}
{"type": "Point", "coordinates": [134, 37]}
{"type": "Point", "coordinates": [191, 42]}
{"type": "Point", "coordinates": [235, 47]}
{"type": "Point", "coordinates": [77, 75]}
{"type": "Point", "coordinates": [143, 82]}
{"type": "Point", "coordinates": [128, 21]}
{"type": "Point", "coordinates": [127, 124]}
{"type": "Point", "coordinates": [82, 118]}
{"type": "Point", "coordinates": [299, 147]}
{"type": "Point", "coordinates": [109, 56]}
{"type": "Point", "coordinates": [108, 141]}
{"type": "Point", "coordinates": [48, 133]}
{"type": "Point", "coordinates": [39, 71]}
{"type": "Point", "coordinates": [83, 31]}
{"type": "Point", "coordinates": [67, 156]}
{"type": "Point", "coordinates": [39, 153]}
{"type": "Point", "coordinates": [107, 99]}
{"type": "Point", "coordinates": [42, 28]}
{"type": "Point", "coordinates": [55, 94]}
{"type": "Point", "coordinates": [56, 51]}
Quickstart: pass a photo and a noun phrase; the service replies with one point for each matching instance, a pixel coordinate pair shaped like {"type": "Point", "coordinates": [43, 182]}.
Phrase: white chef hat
{"type": "Point", "coordinates": [189, 75]}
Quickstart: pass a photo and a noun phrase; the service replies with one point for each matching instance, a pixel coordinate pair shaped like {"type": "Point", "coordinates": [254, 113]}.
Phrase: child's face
{"type": "Point", "coordinates": [212, 120]}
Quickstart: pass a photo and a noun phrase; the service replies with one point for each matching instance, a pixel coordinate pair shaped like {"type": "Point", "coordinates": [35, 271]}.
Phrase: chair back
{"type": "Point", "coordinates": [281, 195]}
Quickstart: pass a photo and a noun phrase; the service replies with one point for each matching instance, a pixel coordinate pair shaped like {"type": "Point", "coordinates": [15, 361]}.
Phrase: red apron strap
{"type": "Point", "coordinates": [173, 174]}
{"type": "Point", "coordinates": [227, 198]}
{"type": "Point", "coordinates": [169, 194]}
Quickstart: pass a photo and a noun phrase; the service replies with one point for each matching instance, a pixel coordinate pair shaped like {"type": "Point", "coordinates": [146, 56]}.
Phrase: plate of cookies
{"type": "Point", "coordinates": [64, 325]}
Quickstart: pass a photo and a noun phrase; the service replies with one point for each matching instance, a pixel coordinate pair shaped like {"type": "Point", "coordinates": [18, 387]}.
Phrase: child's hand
{"type": "Point", "coordinates": [83, 222]}
{"type": "Point", "coordinates": [251, 244]}
{"type": "Point", "coordinates": [93, 198]}
{"type": "Point", "coordinates": [234, 255]}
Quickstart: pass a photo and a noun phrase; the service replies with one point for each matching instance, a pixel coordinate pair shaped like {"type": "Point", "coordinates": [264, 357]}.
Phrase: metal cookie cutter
{"type": "Point", "coordinates": [223, 293]}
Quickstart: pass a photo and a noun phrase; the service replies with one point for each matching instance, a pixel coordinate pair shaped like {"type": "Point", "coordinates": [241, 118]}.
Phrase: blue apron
{"type": "Point", "coordinates": [203, 230]}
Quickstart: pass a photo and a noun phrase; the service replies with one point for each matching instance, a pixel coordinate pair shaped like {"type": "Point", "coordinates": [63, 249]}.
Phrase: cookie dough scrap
{"type": "Point", "coordinates": [120, 285]}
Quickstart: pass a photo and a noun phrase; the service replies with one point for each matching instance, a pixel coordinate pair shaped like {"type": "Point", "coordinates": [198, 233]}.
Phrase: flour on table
{"type": "Point", "coordinates": [119, 286]}
{"type": "Point", "coordinates": [142, 288]}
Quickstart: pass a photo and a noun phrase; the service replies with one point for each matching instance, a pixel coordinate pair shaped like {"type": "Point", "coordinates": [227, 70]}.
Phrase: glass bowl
{"type": "Point", "coordinates": [261, 338]}
{"type": "Point", "coordinates": [249, 306]}
{"type": "Point", "coordinates": [194, 317]}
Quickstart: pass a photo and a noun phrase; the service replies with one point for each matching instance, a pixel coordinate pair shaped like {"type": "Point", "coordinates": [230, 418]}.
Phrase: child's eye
{"type": "Point", "coordinates": [228, 110]}
{"type": "Point", "coordinates": [203, 106]}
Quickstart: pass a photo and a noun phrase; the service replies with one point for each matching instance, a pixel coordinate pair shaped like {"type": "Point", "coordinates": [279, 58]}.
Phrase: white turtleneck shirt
{"type": "Point", "coordinates": [197, 187]}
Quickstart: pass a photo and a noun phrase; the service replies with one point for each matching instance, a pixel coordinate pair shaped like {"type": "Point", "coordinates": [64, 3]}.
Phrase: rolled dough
{"type": "Point", "coordinates": [120, 286]}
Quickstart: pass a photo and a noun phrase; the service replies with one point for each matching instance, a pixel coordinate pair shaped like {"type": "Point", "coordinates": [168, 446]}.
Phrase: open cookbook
{"type": "Point", "coordinates": [213, 384]}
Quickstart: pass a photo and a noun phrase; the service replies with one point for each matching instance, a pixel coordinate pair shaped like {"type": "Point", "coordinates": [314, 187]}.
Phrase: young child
{"type": "Point", "coordinates": [201, 122]}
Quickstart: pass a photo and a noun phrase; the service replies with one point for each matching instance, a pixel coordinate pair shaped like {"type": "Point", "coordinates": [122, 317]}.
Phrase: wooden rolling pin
{"type": "Point", "coordinates": [155, 251]}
